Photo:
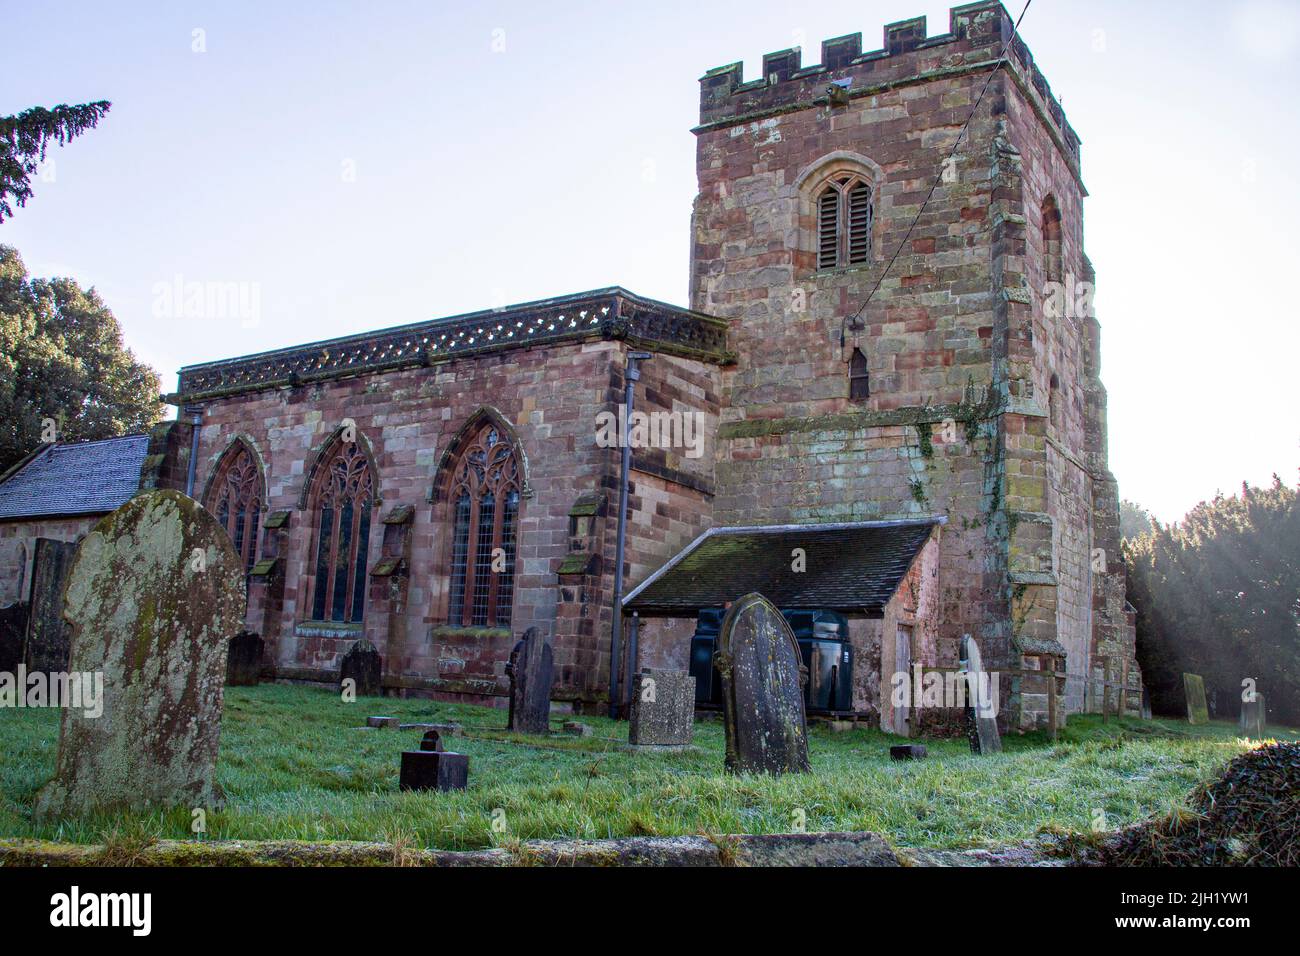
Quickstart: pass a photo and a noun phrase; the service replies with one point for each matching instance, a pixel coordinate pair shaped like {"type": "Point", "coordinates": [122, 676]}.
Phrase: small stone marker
{"type": "Point", "coordinates": [663, 709]}
{"type": "Point", "coordinates": [1253, 717]}
{"type": "Point", "coordinates": [244, 661]}
{"type": "Point", "coordinates": [576, 729]}
{"type": "Point", "coordinates": [530, 671]}
{"type": "Point", "coordinates": [1146, 704]}
{"type": "Point", "coordinates": [981, 709]}
{"type": "Point", "coordinates": [907, 752]}
{"type": "Point", "coordinates": [153, 596]}
{"type": "Point", "coordinates": [1194, 688]}
{"type": "Point", "coordinates": [390, 723]}
{"type": "Point", "coordinates": [362, 664]}
{"type": "Point", "coordinates": [433, 768]}
{"type": "Point", "coordinates": [762, 690]}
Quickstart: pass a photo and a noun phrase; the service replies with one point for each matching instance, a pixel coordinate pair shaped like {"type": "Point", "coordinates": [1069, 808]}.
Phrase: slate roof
{"type": "Point", "coordinates": [850, 568]}
{"type": "Point", "coordinates": [75, 478]}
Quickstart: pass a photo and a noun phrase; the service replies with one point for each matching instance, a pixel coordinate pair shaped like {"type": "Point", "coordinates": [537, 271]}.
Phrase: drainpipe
{"type": "Point", "coordinates": [196, 419]}
{"type": "Point", "coordinates": [631, 376]}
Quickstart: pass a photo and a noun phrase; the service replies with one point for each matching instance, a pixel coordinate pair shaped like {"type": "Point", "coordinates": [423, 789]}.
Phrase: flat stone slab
{"type": "Point", "coordinates": [154, 595]}
{"type": "Point", "coordinates": [387, 723]}
{"type": "Point", "coordinates": [576, 729]}
{"type": "Point", "coordinates": [789, 849]}
{"type": "Point", "coordinates": [449, 730]}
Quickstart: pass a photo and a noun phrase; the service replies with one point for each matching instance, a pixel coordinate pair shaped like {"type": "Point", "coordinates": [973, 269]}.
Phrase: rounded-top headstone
{"type": "Point", "coordinates": [762, 681]}
{"type": "Point", "coordinates": [154, 595]}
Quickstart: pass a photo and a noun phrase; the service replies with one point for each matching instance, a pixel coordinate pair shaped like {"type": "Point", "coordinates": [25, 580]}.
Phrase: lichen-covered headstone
{"type": "Point", "coordinates": [153, 597]}
{"type": "Point", "coordinates": [363, 666]}
{"type": "Point", "coordinates": [981, 708]}
{"type": "Point", "coordinates": [663, 709]}
{"type": "Point", "coordinates": [244, 662]}
{"type": "Point", "coordinates": [762, 675]}
{"type": "Point", "coordinates": [1197, 711]}
{"type": "Point", "coordinates": [530, 671]}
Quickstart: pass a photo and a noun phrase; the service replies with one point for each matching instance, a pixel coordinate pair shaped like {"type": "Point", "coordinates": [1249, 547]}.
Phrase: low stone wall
{"type": "Point", "coordinates": [796, 849]}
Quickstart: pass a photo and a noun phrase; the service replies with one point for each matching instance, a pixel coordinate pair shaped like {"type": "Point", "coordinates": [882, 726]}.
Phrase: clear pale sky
{"type": "Point", "coordinates": [365, 165]}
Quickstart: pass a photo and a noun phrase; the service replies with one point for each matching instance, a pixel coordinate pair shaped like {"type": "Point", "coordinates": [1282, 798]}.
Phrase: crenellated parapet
{"type": "Point", "coordinates": [977, 34]}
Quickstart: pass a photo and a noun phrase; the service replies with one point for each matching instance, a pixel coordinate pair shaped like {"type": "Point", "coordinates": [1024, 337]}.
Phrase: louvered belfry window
{"type": "Point", "coordinates": [485, 513]}
{"type": "Point", "coordinates": [344, 499]}
{"type": "Point", "coordinates": [236, 500]}
{"type": "Point", "coordinates": [843, 223]}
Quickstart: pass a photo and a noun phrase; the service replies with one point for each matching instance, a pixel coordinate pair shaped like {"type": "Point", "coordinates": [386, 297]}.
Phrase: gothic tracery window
{"type": "Point", "coordinates": [235, 498]}
{"type": "Point", "coordinates": [484, 496]}
{"type": "Point", "coordinates": [344, 499]}
{"type": "Point", "coordinates": [843, 222]}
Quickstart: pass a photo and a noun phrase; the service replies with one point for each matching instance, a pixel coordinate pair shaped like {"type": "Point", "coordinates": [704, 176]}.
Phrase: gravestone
{"type": "Point", "coordinates": [762, 675]}
{"type": "Point", "coordinates": [1194, 688]}
{"type": "Point", "coordinates": [1253, 716]}
{"type": "Point", "coordinates": [383, 723]}
{"type": "Point", "coordinates": [48, 634]}
{"type": "Point", "coordinates": [663, 709]}
{"type": "Point", "coordinates": [244, 660]}
{"type": "Point", "coordinates": [575, 728]}
{"type": "Point", "coordinates": [13, 625]}
{"type": "Point", "coordinates": [981, 708]}
{"type": "Point", "coordinates": [362, 664]}
{"type": "Point", "coordinates": [153, 597]}
{"type": "Point", "coordinates": [907, 752]}
{"type": "Point", "coordinates": [1146, 704]}
{"type": "Point", "coordinates": [530, 671]}
{"type": "Point", "coordinates": [432, 767]}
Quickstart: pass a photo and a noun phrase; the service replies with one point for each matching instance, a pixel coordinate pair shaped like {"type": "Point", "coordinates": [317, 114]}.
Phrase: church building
{"type": "Point", "coordinates": [882, 400]}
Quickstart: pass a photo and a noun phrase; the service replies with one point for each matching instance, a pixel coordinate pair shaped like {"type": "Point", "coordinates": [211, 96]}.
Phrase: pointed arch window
{"type": "Point", "coordinates": [344, 500]}
{"type": "Point", "coordinates": [844, 216]}
{"type": "Point", "coordinates": [235, 498]}
{"type": "Point", "coordinates": [859, 381]}
{"type": "Point", "coordinates": [484, 495]}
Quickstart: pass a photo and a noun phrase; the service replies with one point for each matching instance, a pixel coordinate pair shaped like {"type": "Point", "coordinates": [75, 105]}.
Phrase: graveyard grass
{"type": "Point", "coordinates": [294, 765]}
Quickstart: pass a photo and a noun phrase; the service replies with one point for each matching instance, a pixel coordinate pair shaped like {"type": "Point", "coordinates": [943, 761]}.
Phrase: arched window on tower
{"type": "Point", "coordinates": [484, 496]}
{"type": "Point", "coordinates": [1053, 255]}
{"type": "Point", "coordinates": [344, 497]}
{"type": "Point", "coordinates": [235, 497]}
{"type": "Point", "coordinates": [844, 222]}
{"type": "Point", "coordinates": [859, 381]}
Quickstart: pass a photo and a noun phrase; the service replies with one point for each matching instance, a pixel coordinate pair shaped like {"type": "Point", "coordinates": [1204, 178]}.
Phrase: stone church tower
{"type": "Point", "coordinates": [969, 385]}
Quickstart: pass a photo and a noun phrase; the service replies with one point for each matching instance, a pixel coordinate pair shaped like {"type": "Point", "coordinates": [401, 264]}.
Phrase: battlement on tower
{"type": "Point", "coordinates": [976, 35]}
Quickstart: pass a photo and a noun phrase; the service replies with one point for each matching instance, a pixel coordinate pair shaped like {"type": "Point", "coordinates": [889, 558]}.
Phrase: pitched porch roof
{"type": "Point", "coordinates": [852, 568]}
